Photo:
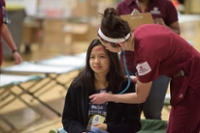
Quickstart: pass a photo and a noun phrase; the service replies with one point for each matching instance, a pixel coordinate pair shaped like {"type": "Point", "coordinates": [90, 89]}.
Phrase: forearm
{"type": "Point", "coordinates": [7, 37]}
{"type": "Point", "coordinates": [175, 30]}
{"type": "Point", "coordinates": [174, 26]}
{"type": "Point", "coordinates": [125, 98]}
{"type": "Point", "coordinates": [142, 92]}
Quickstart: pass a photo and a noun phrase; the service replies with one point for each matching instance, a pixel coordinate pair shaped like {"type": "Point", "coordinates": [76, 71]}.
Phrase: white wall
{"type": "Point", "coordinates": [30, 5]}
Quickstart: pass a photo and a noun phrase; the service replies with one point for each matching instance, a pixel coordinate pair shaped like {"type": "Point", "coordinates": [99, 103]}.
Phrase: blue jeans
{"type": "Point", "coordinates": [152, 107]}
{"type": "Point", "coordinates": [62, 130]}
{"type": "Point", "coordinates": [94, 130]}
{"type": "Point", "coordinates": [97, 130]}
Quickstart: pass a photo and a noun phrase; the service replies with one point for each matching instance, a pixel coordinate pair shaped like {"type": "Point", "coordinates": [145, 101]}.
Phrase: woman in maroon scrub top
{"type": "Point", "coordinates": [6, 35]}
{"type": "Point", "coordinates": [163, 13]}
{"type": "Point", "coordinates": [173, 57]}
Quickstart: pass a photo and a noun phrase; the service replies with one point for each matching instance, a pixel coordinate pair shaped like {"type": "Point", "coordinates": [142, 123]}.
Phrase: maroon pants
{"type": "Point", "coordinates": [185, 116]}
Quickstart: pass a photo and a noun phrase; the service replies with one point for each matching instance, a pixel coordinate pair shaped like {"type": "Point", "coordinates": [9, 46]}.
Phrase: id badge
{"type": "Point", "coordinates": [95, 119]}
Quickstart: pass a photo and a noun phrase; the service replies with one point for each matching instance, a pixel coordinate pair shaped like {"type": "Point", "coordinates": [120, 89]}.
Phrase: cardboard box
{"type": "Point", "coordinates": [53, 32]}
{"type": "Point", "coordinates": [85, 8]}
{"type": "Point", "coordinates": [192, 6]}
{"type": "Point", "coordinates": [32, 32]}
{"type": "Point", "coordinates": [136, 20]}
{"type": "Point", "coordinates": [77, 31]}
{"type": "Point", "coordinates": [53, 25]}
{"type": "Point", "coordinates": [53, 38]}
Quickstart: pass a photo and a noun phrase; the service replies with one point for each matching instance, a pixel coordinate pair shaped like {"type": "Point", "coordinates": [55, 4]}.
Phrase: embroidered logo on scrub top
{"type": "Point", "coordinates": [155, 11]}
{"type": "Point", "coordinates": [135, 11]}
{"type": "Point", "coordinates": [143, 68]}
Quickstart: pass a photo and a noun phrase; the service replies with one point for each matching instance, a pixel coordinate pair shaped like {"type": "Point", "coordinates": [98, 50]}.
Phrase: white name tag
{"type": "Point", "coordinates": [143, 68]}
{"type": "Point", "coordinates": [95, 119]}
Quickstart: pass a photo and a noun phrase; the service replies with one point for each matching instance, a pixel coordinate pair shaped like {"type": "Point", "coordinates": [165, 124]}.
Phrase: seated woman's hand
{"type": "Point", "coordinates": [99, 98]}
{"type": "Point", "coordinates": [102, 126]}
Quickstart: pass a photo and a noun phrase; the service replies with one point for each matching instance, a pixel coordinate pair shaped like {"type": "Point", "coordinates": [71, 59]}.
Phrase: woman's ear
{"type": "Point", "coordinates": [119, 44]}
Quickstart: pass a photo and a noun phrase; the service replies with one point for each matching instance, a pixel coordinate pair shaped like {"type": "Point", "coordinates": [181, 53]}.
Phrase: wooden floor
{"type": "Point", "coordinates": [24, 118]}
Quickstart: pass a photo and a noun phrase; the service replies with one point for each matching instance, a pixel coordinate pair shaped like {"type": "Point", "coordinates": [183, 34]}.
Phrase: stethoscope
{"type": "Point", "coordinates": [5, 17]}
{"type": "Point", "coordinates": [126, 69]}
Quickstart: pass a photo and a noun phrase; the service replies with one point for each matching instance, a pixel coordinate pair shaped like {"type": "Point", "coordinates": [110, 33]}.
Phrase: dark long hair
{"type": "Point", "coordinates": [86, 77]}
{"type": "Point", "coordinates": [113, 26]}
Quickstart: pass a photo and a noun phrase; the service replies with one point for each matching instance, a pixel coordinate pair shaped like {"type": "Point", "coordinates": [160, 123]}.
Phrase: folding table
{"type": "Point", "coordinates": [7, 82]}
{"type": "Point", "coordinates": [64, 60]}
{"type": "Point", "coordinates": [31, 68]}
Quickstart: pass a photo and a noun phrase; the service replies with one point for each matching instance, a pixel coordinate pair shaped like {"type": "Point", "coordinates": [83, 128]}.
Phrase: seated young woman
{"type": "Point", "coordinates": [102, 73]}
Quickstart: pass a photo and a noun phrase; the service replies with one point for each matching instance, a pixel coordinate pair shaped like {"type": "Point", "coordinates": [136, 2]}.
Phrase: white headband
{"type": "Point", "coordinates": [114, 40]}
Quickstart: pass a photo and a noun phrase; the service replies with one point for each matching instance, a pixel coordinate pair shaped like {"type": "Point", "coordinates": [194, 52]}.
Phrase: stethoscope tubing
{"type": "Point", "coordinates": [126, 69]}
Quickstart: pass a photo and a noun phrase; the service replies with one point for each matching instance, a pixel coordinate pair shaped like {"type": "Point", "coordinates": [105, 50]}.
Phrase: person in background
{"type": "Point", "coordinates": [179, 4]}
{"type": "Point", "coordinates": [102, 73]}
{"type": "Point", "coordinates": [173, 57]}
{"type": "Point", "coordinates": [6, 35]}
{"type": "Point", "coordinates": [163, 13]}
